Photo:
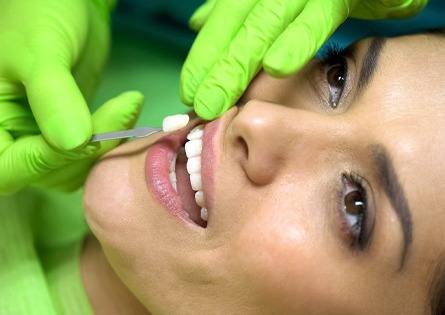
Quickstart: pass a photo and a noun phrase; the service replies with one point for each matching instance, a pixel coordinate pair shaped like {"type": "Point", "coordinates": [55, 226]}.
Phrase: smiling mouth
{"type": "Point", "coordinates": [185, 177]}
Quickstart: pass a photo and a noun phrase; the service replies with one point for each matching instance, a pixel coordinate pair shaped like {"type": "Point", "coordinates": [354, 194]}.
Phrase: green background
{"type": "Point", "coordinates": [149, 66]}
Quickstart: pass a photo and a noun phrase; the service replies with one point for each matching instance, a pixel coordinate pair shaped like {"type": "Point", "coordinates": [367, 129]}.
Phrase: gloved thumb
{"type": "Point", "coordinates": [119, 113]}
{"type": "Point", "coordinates": [116, 114]}
{"type": "Point", "coordinates": [201, 15]}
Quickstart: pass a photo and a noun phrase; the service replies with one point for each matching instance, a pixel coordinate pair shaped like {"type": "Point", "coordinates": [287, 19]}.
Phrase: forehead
{"type": "Point", "coordinates": [406, 95]}
{"type": "Point", "coordinates": [406, 102]}
{"type": "Point", "coordinates": [416, 64]}
{"type": "Point", "coordinates": [406, 106]}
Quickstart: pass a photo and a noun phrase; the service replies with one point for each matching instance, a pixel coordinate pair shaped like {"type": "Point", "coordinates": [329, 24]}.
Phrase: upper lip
{"type": "Point", "coordinates": [213, 138]}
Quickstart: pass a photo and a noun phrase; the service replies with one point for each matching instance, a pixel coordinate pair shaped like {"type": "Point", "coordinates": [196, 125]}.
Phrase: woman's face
{"type": "Point", "coordinates": [324, 194]}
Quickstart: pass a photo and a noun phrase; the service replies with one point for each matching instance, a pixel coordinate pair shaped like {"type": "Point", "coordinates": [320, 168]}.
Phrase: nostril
{"type": "Point", "coordinates": [257, 159]}
{"type": "Point", "coordinates": [254, 137]}
{"type": "Point", "coordinates": [244, 148]}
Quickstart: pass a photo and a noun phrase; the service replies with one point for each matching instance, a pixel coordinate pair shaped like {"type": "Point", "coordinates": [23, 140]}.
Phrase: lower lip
{"type": "Point", "coordinates": [157, 171]}
{"type": "Point", "coordinates": [159, 157]}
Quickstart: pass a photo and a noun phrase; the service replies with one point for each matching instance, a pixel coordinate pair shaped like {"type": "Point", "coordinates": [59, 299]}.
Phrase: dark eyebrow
{"type": "Point", "coordinates": [388, 179]}
{"type": "Point", "coordinates": [370, 62]}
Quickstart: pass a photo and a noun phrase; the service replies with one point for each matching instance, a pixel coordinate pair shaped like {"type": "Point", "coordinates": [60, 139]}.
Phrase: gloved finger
{"type": "Point", "coordinates": [119, 113]}
{"type": "Point", "coordinates": [58, 106]}
{"type": "Point", "coordinates": [104, 5]}
{"type": "Point", "coordinates": [227, 15]}
{"type": "Point", "coordinates": [304, 36]}
{"type": "Point", "coordinates": [17, 120]}
{"type": "Point", "coordinates": [387, 9]}
{"type": "Point", "coordinates": [201, 15]}
{"type": "Point", "coordinates": [26, 159]}
{"type": "Point", "coordinates": [243, 58]}
{"type": "Point", "coordinates": [91, 61]}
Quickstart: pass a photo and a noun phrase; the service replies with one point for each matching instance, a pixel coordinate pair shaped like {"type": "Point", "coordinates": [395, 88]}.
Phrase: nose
{"type": "Point", "coordinates": [274, 137]}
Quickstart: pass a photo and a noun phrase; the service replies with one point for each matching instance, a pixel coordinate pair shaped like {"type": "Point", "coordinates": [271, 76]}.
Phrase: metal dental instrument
{"type": "Point", "coordinates": [170, 123]}
{"type": "Point", "coordinates": [137, 132]}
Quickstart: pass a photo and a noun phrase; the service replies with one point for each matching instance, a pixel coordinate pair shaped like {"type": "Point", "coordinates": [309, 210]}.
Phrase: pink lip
{"type": "Point", "coordinates": [157, 170]}
{"type": "Point", "coordinates": [160, 154]}
{"type": "Point", "coordinates": [212, 137]}
{"type": "Point", "coordinates": [208, 161]}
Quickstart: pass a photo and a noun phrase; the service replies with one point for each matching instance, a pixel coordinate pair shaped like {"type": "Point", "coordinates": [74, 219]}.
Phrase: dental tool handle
{"type": "Point", "coordinates": [136, 132]}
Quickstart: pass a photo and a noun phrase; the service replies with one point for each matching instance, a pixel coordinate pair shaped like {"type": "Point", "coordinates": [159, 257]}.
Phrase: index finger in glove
{"type": "Point", "coordinates": [58, 106]}
{"type": "Point", "coordinates": [304, 36]}
{"type": "Point", "coordinates": [201, 15]}
{"type": "Point", "coordinates": [223, 24]}
{"type": "Point", "coordinates": [242, 59]}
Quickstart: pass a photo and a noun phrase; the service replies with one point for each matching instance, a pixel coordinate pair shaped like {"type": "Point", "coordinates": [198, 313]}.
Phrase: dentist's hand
{"type": "Point", "coordinates": [51, 56]}
{"type": "Point", "coordinates": [26, 158]}
{"type": "Point", "coordinates": [238, 37]}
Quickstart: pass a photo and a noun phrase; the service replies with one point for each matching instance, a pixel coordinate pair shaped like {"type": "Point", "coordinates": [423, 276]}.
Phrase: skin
{"type": "Point", "coordinates": [275, 243]}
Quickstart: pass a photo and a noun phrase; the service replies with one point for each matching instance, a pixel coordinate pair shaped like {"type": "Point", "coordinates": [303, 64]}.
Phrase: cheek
{"type": "Point", "coordinates": [283, 263]}
{"type": "Point", "coordinates": [117, 217]}
{"type": "Point", "coordinates": [113, 198]}
{"type": "Point", "coordinates": [105, 194]}
{"type": "Point", "coordinates": [289, 258]}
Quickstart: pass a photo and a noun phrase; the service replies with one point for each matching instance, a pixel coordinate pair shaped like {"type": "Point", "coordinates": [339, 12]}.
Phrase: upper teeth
{"type": "Point", "coordinates": [193, 149]}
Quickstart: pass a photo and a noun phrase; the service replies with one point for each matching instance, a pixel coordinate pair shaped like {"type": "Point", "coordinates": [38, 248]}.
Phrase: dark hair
{"type": "Point", "coordinates": [438, 31]}
{"type": "Point", "coordinates": [437, 289]}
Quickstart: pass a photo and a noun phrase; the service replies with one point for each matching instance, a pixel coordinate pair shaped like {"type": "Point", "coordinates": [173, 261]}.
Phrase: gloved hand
{"type": "Point", "coordinates": [238, 37]}
{"type": "Point", "coordinates": [52, 52]}
{"type": "Point", "coordinates": [29, 159]}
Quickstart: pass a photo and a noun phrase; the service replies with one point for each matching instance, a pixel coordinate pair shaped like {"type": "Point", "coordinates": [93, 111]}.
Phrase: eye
{"type": "Point", "coordinates": [354, 207]}
{"type": "Point", "coordinates": [334, 72]}
{"type": "Point", "coordinates": [336, 78]}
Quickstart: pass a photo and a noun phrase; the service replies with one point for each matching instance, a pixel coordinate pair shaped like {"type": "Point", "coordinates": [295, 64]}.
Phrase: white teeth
{"type": "Point", "coordinates": [172, 173]}
{"type": "Point", "coordinates": [204, 214]}
{"type": "Point", "coordinates": [194, 165]}
{"type": "Point", "coordinates": [195, 180]}
{"type": "Point", "coordinates": [173, 177]}
{"type": "Point", "coordinates": [193, 150]}
{"type": "Point", "coordinates": [173, 162]}
{"type": "Point", "coordinates": [199, 198]}
{"type": "Point", "coordinates": [173, 181]}
{"type": "Point", "coordinates": [174, 122]}
{"type": "Point", "coordinates": [196, 133]}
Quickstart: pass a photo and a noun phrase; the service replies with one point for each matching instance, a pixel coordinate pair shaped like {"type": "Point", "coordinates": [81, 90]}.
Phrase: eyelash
{"type": "Point", "coordinates": [331, 56]}
{"type": "Point", "coordinates": [358, 234]}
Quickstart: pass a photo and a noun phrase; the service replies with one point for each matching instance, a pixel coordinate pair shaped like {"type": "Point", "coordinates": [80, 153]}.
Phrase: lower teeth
{"type": "Point", "coordinates": [204, 214]}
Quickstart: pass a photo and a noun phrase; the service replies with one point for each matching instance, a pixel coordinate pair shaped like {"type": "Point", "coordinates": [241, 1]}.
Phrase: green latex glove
{"type": "Point", "coordinates": [238, 37]}
{"type": "Point", "coordinates": [52, 52]}
{"type": "Point", "coordinates": [29, 159]}
{"type": "Point", "coordinates": [51, 56]}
